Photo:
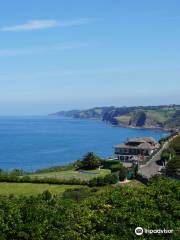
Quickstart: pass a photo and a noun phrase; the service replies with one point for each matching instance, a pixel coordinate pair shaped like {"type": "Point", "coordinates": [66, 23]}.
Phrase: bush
{"type": "Point", "coordinates": [116, 167]}
{"type": "Point", "coordinates": [77, 194]}
{"type": "Point", "coordinates": [46, 195]}
{"type": "Point", "coordinates": [108, 163]}
{"type": "Point", "coordinates": [123, 173]}
{"type": "Point", "coordinates": [102, 181]}
{"type": "Point", "coordinates": [111, 178]}
{"type": "Point", "coordinates": [173, 167]}
{"type": "Point", "coordinates": [28, 179]}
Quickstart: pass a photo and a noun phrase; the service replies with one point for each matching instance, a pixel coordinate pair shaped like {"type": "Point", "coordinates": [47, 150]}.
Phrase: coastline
{"type": "Point", "coordinates": [147, 128]}
{"type": "Point", "coordinates": [168, 130]}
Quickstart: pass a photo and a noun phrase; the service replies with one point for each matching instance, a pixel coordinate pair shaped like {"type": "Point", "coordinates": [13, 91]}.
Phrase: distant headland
{"type": "Point", "coordinates": [163, 117]}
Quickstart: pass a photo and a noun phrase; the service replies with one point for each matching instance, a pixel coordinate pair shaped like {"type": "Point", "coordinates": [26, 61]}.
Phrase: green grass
{"type": "Point", "coordinates": [123, 119]}
{"type": "Point", "coordinates": [160, 115]}
{"type": "Point", "coordinates": [67, 174]}
{"type": "Point", "coordinates": [28, 189]}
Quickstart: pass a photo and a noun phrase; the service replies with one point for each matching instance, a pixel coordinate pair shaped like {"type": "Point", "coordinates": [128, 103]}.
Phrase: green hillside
{"type": "Point", "coordinates": [166, 116]}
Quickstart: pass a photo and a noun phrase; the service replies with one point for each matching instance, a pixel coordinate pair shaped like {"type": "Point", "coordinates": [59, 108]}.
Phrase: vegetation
{"type": "Point", "coordinates": [111, 215]}
{"type": "Point", "coordinates": [86, 173]}
{"type": "Point", "coordinates": [69, 174]}
{"type": "Point", "coordinates": [67, 167]}
{"type": "Point", "coordinates": [173, 167]}
{"type": "Point", "coordinates": [171, 158]}
{"type": "Point", "coordinates": [89, 162]}
{"type": "Point", "coordinates": [28, 189]}
{"type": "Point", "coordinates": [95, 181]}
{"type": "Point", "coordinates": [120, 170]}
{"type": "Point", "coordinates": [149, 116]}
{"type": "Point", "coordinates": [103, 181]}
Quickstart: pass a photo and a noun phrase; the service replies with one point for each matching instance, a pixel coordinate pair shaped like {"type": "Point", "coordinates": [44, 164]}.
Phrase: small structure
{"type": "Point", "coordinates": [136, 149]}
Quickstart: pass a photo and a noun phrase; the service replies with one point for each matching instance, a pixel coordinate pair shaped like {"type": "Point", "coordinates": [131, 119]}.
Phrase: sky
{"type": "Point", "coordinates": [65, 54]}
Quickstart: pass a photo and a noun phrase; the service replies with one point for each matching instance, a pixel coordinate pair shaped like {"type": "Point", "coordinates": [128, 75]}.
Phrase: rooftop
{"type": "Point", "coordinates": [141, 143]}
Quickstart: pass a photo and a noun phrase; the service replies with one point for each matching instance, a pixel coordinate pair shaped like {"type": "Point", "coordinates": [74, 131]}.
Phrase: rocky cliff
{"type": "Point", "coordinates": [167, 116]}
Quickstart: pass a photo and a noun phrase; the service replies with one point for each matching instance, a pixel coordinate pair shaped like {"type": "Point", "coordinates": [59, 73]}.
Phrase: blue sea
{"type": "Point", "coordinates": [32, 143]}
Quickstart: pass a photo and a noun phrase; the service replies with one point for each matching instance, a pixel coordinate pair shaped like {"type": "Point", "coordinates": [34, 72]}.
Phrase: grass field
{"type": "Point", "coordinates": [28, 189]}
{"type": "Point", "coordinates": [160, 115]}
{"type": "Point", "coordinates": [73, 174]}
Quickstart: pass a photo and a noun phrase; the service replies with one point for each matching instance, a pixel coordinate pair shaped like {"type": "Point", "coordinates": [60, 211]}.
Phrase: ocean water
{"type": "Point", "coordinates": [33, 143]}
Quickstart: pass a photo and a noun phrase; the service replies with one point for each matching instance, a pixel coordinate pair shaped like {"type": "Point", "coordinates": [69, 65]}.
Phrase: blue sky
{"type": "Point", "coordinates": [66, 54]}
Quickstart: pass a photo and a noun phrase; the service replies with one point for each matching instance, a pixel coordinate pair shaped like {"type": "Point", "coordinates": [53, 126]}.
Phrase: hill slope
{"type": "Point", "coordinates": [164, 117]}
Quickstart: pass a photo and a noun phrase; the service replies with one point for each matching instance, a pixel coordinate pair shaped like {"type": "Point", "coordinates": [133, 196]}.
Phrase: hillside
{"type": "Point", "coordinates": [164, 117]}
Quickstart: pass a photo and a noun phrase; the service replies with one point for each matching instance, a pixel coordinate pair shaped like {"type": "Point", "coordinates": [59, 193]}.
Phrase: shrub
{"type": "Point", "coordinates": [46, 195]}
{"type": "Point", "coordinates": [123, 173]}
{"type": "Point", "coordinates": [108, 163]}
{"type": "Point", "coordinates": [173, 167]}
{"type": "Point", "coordinates": [116, 167]}
{"type": "Point", "coordinates": [111, 178]}
{"type": "Point", "coordinates": [77, 194]}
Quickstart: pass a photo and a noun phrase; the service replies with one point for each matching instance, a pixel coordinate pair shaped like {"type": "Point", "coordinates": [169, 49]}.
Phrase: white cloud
{"type": "Point", "coordinates": [34, 51]}
{"type": "Point", "coordinates": [42, 24]}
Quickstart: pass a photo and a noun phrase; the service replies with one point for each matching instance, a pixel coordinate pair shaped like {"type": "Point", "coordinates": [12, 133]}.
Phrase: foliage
{"type": "Point", "coordinates": [175, 145]}
{"type": "Point", "coordinates": [107, 164]}
{"type": "Point", "coordinates": [102, 181]}
{"type": "Point", "coordinates": [90, 161]}
{"type": "Point", "coordinates": [78, 194]}
{"type": "Point", "coordinates": [116, 167]}
{"type": "Point", "coordinates": [28, 189]}
{"type": "Point", "coordinates": [135, 170]}
{"type": "Point", "coordinates": [4, 177]}
{"type": "Point", "coordinates": [96, 181]}
{"type": "Point", "coordinates": [120, 170]}
{"type": "Point", "coordinates": [173, 167]}
{"type": "Point", "coordinates": [172, 157]}
{"type": "Point", "coordinates": [165, 155]}
{"type": "Point", "coordinates": [123, 173]}
{"type": "Point", "coordinates": [111, 215]}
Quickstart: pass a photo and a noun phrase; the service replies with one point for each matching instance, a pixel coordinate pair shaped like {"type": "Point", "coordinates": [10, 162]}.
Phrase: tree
{"type": "Point", "coordinates": [90, 161]}
{"type": "Point", "coordinates": [173, 167]}
{"type": "Point", "coordinates": [123, 173]}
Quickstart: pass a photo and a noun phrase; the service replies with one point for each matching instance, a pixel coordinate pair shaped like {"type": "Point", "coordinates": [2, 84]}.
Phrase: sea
{"type": "Point", "coordinates": [32, 143]}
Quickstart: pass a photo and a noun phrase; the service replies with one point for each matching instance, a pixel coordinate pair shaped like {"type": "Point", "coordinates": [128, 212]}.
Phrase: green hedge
{"type": "Point", "coordinates": [99, 181]}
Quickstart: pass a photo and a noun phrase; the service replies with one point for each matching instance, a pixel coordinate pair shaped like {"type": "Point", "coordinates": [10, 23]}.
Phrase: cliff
{"type": "Point", "coordinates": [164, 117]}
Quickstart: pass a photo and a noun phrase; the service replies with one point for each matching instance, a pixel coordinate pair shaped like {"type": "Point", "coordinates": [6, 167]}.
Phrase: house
{"type": "Point", "coordinates": [136, 149]}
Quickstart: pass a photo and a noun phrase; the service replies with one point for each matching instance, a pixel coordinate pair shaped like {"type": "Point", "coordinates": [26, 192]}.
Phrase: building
{"type": "Point", "coordinates": [136, 149]}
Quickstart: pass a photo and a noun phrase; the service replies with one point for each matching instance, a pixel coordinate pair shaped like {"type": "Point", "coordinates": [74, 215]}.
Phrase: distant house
{"type": "Point", "coordinates": [136, 149]}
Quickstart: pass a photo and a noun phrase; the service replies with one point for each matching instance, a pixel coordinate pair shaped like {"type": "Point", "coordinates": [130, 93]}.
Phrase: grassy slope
{"type": "Point", "coordinates": [73, 174]}
{"type": "Point", "coordinates": [160, 115]}
{"type": "Point", "coordinates": [28, 189]}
